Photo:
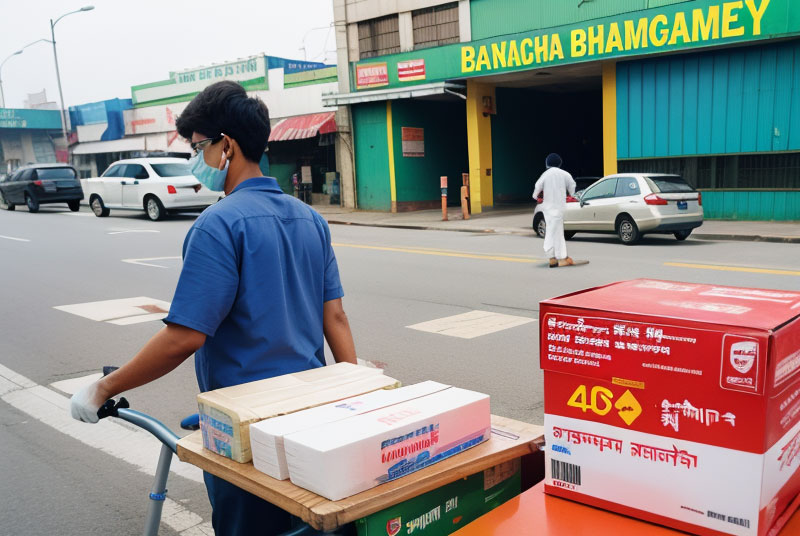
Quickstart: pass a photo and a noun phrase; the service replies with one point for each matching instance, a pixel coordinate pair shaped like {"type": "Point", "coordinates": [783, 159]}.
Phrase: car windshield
{"type": "Point", "coordinates": [172, 170]}
{"type": "Point", "coordinates": [670, 183]}
{"type": "Point", "coordinates": [55, 173]}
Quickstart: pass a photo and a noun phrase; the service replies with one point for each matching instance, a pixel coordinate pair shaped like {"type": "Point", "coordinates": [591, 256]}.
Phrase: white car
{"type": "Point", "coordinates": [154, 185]}
{"type": "Point", "coordinates": [631, 205]}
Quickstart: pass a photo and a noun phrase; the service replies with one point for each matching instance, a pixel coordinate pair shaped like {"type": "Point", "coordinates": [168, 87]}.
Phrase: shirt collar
{"type": "Point", "coordinates": [267, 184]}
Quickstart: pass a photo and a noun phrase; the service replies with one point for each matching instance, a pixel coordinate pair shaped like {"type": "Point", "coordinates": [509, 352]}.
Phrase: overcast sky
{"type": "Point", "coordinates": [102, 53]}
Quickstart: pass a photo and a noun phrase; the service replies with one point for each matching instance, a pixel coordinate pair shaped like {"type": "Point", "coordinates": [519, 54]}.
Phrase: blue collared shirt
{"type": "Point", "coordinates": [257, 268]}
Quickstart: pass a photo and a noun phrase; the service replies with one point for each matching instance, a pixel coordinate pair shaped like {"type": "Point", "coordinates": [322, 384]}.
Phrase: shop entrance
{"type": "Point", "coordinates": [554, 111]}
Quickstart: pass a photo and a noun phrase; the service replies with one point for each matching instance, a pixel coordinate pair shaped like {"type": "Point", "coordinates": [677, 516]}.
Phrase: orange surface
{"type": "Point", "coordinates": [538, 514]}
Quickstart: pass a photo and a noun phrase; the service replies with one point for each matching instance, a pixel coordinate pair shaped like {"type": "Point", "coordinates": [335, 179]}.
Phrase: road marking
{"type": "Point", "coordinates": [133, 446]}
{"type": "Point", "coordinates": [122, 231]}
{"type": "Point", "coordinates": [732, 268]}
{"type": "Point", "coordinates": [142, 263]}
{"type": "Point", "coordinates": [83, 214]}
{"type": "Point", "coordinates": [15, 239]}
{"type": "Point", "coordinates": [472, 324]}
{"type": "Point", "coordinates": [121, 312]}
{"type": "Point", "coordinates": [73, 385]}
{"type": "Point", "coordinates": [441, 253]}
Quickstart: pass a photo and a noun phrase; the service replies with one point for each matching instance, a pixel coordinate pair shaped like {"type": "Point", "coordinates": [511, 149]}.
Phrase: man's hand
{"type": "Point", "coordinates": [85, 403]}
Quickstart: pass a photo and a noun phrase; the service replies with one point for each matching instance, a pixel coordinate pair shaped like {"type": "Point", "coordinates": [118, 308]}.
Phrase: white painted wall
{"type": "Point", "coordinates": [91, 132]}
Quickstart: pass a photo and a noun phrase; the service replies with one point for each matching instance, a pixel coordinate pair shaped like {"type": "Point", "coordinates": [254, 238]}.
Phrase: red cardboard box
{"type": "Point", "coordinates": [676, 403]}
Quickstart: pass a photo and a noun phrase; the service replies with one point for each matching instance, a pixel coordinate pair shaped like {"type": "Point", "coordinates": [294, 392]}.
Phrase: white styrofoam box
{"type": "Point", "coordinates": [266, 437]}
{"type": "Point", "coordinates": [343, 458]}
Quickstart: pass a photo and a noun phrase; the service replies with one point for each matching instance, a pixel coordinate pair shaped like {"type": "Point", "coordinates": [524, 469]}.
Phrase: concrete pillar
{"type": "Point", "coordinates": [479, 142]}
{"type": "Point", "coordinates": [464, 22]}
{"type": "Point", "coordinates": [609, 118]}
{"type": "Point", "coordinates": [346, 51]}
{"type": "Point", "coordinates": [405, 25]}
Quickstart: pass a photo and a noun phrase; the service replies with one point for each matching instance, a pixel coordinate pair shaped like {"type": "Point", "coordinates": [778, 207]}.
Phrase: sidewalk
{"type": "Point", "coordinates": [518, 220]}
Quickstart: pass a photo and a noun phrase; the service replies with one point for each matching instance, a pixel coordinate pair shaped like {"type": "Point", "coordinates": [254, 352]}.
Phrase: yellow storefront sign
{"type": "Point", "coordinates": [714, 22]}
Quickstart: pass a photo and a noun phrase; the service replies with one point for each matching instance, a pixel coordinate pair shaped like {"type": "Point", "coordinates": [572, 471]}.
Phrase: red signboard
{"type": "Point", "coordinates": [372, 75]}
{"type": "Point", "coordinates": [411, 70]}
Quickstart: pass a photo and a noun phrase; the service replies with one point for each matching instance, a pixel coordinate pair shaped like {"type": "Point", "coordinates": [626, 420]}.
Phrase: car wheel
{"type": "Point", "coordinates": [74, 206]}
{"type": "Point", "coordinates": [154, 209]}
{"type": "Point", "coordinates": [98, 207]}
{"type": "Point", "coordinates": [539, 225]}
{"type": "Point", "coordinates": [628, 231]}
{"type": "Point", "coordinates": [568, 234]}
{"type": "Point", "coordinates": [683, 235]}
{"type": "Point", "coordinates": [5, 204]}
{"type": "Point", "coordinates": [32, 202]}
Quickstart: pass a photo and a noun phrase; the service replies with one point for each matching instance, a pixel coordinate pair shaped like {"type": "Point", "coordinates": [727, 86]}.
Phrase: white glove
{"type": "Point", "coordinates": [85, 403]}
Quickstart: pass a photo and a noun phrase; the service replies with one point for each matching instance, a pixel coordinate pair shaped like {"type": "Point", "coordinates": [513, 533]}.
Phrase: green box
{"type": "Point", "coordinates": [445, 510]}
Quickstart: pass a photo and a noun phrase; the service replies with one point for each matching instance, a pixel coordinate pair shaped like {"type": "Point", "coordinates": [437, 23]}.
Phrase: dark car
{"type": "Point", "coordinates": [40, 184]}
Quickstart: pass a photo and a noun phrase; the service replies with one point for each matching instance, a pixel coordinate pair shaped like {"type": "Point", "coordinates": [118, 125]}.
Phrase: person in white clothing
{"type": "Point", "coordinates": [556, 184]}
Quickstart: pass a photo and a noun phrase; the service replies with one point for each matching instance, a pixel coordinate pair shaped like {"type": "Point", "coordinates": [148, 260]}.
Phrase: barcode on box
{"type": "Point", "coordinates": [566, 472]}
{"type": "Point", "coordinates": [730, 519]}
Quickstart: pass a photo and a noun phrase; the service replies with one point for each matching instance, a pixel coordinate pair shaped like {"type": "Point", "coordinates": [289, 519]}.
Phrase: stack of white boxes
{"type": "Point", "coordinates": [345, 448]}
{"type": "Point", "coordinates": [266, 437]}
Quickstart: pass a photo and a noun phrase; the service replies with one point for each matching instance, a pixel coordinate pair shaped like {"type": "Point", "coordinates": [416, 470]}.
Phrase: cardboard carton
{"type": "Point", "coordinates": [677, 403]}
{"type": "Point", "coordinates": [266, 437]}
{"type": "Point", "coordinates": [226, 414]}
{"type": "Point", "coordinates": [446, 509]}
{"type": "Point", "coordinates": [346, 457]}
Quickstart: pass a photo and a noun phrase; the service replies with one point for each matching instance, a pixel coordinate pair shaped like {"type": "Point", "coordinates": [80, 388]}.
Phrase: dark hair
{"type": "Point", "coordinates": [225, 108]}
{"type": "Point", "coordinates": [553, 160]}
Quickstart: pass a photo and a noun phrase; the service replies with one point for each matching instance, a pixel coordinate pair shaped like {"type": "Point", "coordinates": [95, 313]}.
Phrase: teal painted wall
{"type": "Point", "coordinates": [741, 100]}
{"type": "Point", "coordinates": [531, 124]}
{"type": "Point", "coordinates": [752, 205]}
{"type": "Point", "coordinates": [445, 131]}
{"type": "Point", "coordinates": [373, 189]}
{"type": "Point", "coordinates": [490, 18]}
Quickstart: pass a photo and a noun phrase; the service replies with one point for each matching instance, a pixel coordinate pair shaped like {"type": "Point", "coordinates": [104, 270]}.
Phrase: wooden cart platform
{"type": "Point", "coordinates": [510, 439]}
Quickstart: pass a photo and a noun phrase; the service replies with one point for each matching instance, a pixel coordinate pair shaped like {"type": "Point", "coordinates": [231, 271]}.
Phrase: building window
{"type": "Point", "coordinates": [435, 26]}
{"type": "Point", "coordinates": [768, 171]}
{"type": "Point", "coordinates": [377, 37]}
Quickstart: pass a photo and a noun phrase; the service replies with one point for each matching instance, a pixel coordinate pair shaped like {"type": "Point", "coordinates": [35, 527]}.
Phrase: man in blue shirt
{"type": "Point", "coordinates": [258, 289]}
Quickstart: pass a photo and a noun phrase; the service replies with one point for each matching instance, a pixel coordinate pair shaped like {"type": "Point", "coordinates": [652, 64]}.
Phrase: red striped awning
{"type": "Point", "coordinates": [303, 126]}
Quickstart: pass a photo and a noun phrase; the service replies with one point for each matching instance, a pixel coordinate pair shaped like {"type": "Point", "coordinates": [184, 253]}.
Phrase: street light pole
{"type": "Point", "coordinates": [2, 95]}
{"type": "Point", "coordinates": [58, 74]}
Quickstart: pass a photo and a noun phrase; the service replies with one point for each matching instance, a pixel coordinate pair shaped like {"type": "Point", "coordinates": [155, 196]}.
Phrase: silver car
{"type": "Point", "coordinates": [631, 205]}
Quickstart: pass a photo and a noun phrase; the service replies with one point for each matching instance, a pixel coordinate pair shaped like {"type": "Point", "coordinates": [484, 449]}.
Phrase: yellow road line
{"type": "Point", "coordinates": [440, 253]}
{"type": "Point", "coordinates": [732, 268]}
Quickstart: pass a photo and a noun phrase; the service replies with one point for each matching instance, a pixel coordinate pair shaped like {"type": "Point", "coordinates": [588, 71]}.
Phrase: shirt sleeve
{"type": "Point", "coordinates": [570, 185]}
{"type": "Point", "coordinates": [333, 286]}
{"type": "Point", "coordinates": [537, 189]}
{"type": "Point", "coordinates": [207, 285]}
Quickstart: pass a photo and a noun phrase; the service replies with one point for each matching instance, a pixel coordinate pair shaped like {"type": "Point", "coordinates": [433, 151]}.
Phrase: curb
{"type": "Point", "coordinates": [709, 236]}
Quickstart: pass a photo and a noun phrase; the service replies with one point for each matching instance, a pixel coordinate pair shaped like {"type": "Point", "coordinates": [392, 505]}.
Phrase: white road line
{"type": "Point", "coordinates": [142, 263]}
{"type": "Point", "coordinates": [15, 239]}
{"type": "Point", "coordinates": [133, 231]}
{"type": "Point", "coordinates": [472, 324]}
{"type": "Point", "coordinates": [135, 447]}
{"type": "Point", "coordinates": [84, 214]}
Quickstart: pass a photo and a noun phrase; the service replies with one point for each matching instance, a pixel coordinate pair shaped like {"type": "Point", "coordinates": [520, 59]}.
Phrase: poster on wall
{"type": "Point", "coordinates": [411, 70]}
{"type": "Point", "coordinates": [372, 75]}
{"type": "Point", "coordinates": [413, 142]}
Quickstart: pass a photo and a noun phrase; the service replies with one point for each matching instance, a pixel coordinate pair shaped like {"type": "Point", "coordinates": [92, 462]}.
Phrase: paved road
{"type": "Point", "coordinates": [54, 468]}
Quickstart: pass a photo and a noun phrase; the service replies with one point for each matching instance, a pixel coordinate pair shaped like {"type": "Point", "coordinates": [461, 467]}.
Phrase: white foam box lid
{"type": "Point", "coordinates": [340, 459]}
{"type": "Point", "coordinates": [226, 414]}
{"type": "Point", "coordinates": [266, 437]}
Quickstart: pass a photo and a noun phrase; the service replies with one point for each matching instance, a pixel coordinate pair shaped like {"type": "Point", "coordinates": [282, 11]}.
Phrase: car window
{"type": "Point", "coordinates": [135, 171]}
{"type": "Point", "coordinates": [601, 190]}
{"type": "Point", "coordinates": [172, 170]}
{"type": "Point", "coordinates": [114, 171]}
{"type": "Point", "coordinates": [26, 175]}
{"type": "Point", "coordinates": [627, 186]}
{"type": "Point", "coordinates": [55, 173]}
{"type": "Point", "coordinates": [670, 183]}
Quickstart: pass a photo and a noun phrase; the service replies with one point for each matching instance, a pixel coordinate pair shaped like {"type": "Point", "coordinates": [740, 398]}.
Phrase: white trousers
{"type": "Point", "coordinates": [554, 243]}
